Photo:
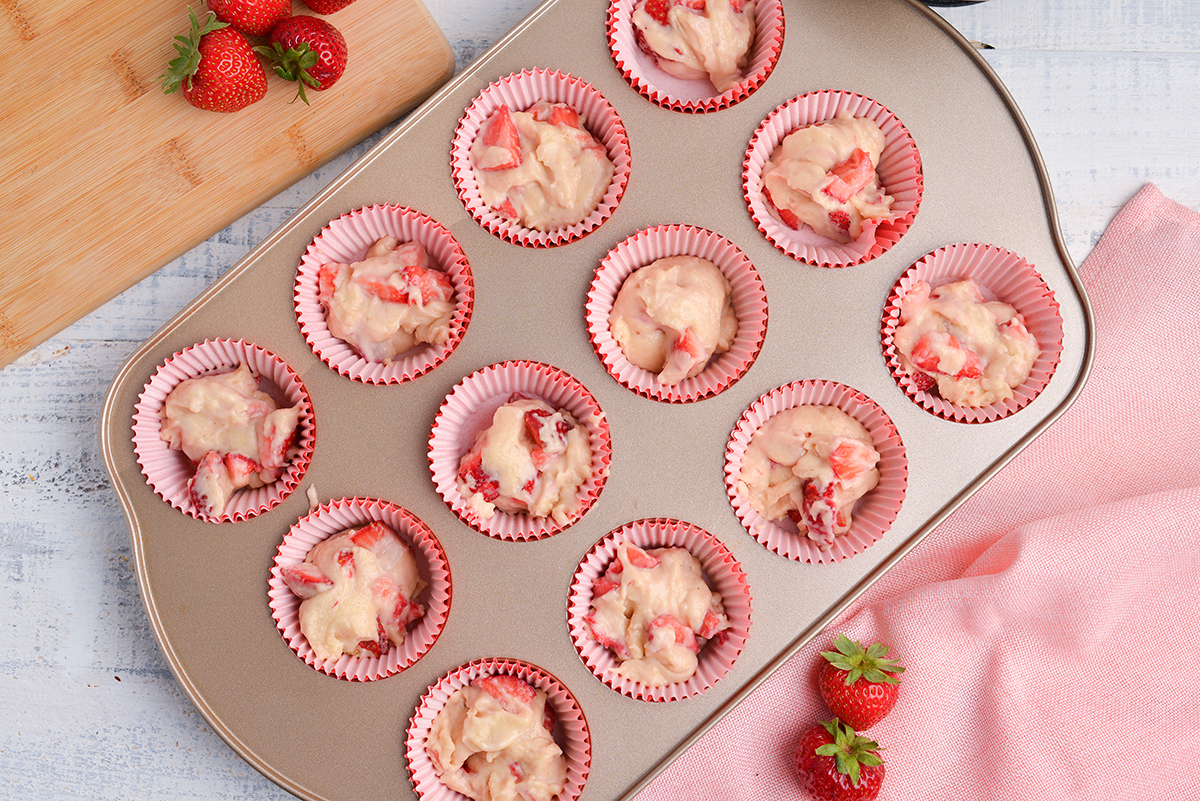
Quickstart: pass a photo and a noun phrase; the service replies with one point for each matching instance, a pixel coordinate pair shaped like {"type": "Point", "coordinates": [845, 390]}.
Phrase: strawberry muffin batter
{"type": "Point", "coordinates": [697, 39]}
{"type": "Point", "coordinates": [235, 434]}
{"type": "Point", "coordinates": [540, 167]}
{"type": "Point", "coordinates": [389, 302]}
{"type": "Point", "coordinates": [810, 464]}
{"type": "Point", "coordinates": [493, 742]}
{"type": "Point", "coordinates": [823, 176]}
{"type": "Point", "coordinates": [654, 610]}
{"type": "Point", "coordinates": [357, 588]}
{"type": "Point", "coordinates": [532, 459]}
{"type": "Point", "coordinates": [671, 316]}
{"type": "Point", "coordinates": [969, 351]}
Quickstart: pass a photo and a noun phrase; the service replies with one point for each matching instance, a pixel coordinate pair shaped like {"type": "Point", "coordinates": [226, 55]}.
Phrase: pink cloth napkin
{"type": "Point", "coordinates": [1047, 626]}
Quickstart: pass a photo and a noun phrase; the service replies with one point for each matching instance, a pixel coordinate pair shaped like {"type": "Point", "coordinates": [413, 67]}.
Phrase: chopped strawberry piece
{"type": "Point", "coordinates": [820, 513]}
{"type": "Point", "coordinates": [379, 646]}
{"type": "Point", "coordinates": [506, 210]}
{"type": "Point", "coordinates": [930, 350]}
{"type": "Point", "coordinates": [658, 9]}
{"type": "Point", "coordinates": [841, 219]}
{"type": "Point", "coordinates": [1015, 328]}
{"type": "Point", "coordinates": [516, 770]}
{"type": "Point", "coordinates": [737, 5]}
{"type": "Point", "coordinates": [851, 458]}
{"type": "Point", "coordinates": [683, 635]}
{"type": "Point", "coordinates": [277, 435]}
{"type": "Point", "coordinates": [787, 216]}
{"type": "Point", "coordinates": [611, 642]}
{"type": "Point", "coordinates": [499, 134]}
{"type": "Point", "coordinates": [345, 559]}
{"type": "Point", "coordinates": [476, 479]}
{"type": "Point", "coordinates": [241, 468]}
{"type": "Point", "coordinates": [433, 284]}
{"type": "Point", "coordinates": [555, 114]}
{"type": "Point", "coordinates": [548, 717]}
{"type": "Point", "coordinates": [327, 281]}
{"type": "Point", "coordinates": [380, 288]}
{"type": "Point", "coordinates": [209, 489]}
{"type": "Point", "coordinates": [530, 484]}
{"type": "Point", "coordinates": [712, 624]}
{"type": "Point", "coordinates": [685, 356]}
{"type": "Point", "coordinates": [370, 535]}
{"type": "Point", "coordinates": [603, 585]}
{"type": "Point", "coordinates": [512, 693]}
{"type": "Point", "coordinates": [639, 558]}
{"type": "Point", "coordinates": [305, 579]}
{"type": "Point", "coordinates": [924, 382]}
{"type": "Point", "coordinates": [847, 178]}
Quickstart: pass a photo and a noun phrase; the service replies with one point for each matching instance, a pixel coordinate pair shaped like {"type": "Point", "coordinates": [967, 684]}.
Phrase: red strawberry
{"type": "Point", "coordinates": [326, 6]}
{"type": "Point", "coordinates": [251, 17]}
{"type": "Point", "coordinates": [835, 764]}
{"type": "Point", "coordinates": [859, 685]}
{"type": "Point", "coordinates": [307, 50]}
{"type": "Point", "coordinates": [851, 458]}
{"type": "Point", "coordinates": [305, 579]}
{"type": "Point", "coordinates": [216, 67]}
{"type": "Point", "coordinates": [924, 382]}
{"type": "Point", "coordinates": [787, 216]}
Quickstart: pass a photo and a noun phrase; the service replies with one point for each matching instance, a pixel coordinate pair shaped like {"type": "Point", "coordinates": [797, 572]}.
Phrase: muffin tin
{"type": "Point", "coordinates": [206, 585]}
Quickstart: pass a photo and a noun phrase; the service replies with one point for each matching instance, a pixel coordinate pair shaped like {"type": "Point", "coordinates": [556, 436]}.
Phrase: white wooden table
{"type": "Point", "coordinates": [88, 707]}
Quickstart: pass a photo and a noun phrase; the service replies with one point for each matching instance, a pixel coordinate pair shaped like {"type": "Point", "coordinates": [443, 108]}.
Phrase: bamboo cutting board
{"type": "Point", "coordinates": [104, 179]}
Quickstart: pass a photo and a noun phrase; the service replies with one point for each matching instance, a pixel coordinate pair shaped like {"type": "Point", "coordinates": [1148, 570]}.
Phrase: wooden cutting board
{"type": "Point", "coordinates": [104, 179]}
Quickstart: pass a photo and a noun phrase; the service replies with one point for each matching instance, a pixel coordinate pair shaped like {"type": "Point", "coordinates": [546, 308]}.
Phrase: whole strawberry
{"type": "Point", "coordinates": [308, 51]}
{"type": "Point", "coordinates": [835, 764]}
{"type": "Point", "coordinates": [216, 67]}
{"type": "Point", "coordinates": [326, 6]}
{"type": "Point", "coordinates": [859, 685]}
{"type": "Point", "coordinates": [251, 17]}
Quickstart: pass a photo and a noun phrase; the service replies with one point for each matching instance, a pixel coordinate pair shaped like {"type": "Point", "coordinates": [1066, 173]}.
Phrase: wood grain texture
{"type": "Point", "coordinates": [88, 708]}
{"type": "Point", "coordinates": [121, 178]}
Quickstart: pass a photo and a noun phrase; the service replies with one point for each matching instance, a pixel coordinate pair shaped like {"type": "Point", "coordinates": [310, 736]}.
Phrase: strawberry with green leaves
{"type": "Point", "coordinates": [836, 764]}
{"type": "Point", "coordinates": [216, 67]}
{"type": "Point", "coordinates": [307, 50]}
{"type": "Point", "coordinates": [859, 685]}
{"type": "Point", "coordinates": [251, 17]}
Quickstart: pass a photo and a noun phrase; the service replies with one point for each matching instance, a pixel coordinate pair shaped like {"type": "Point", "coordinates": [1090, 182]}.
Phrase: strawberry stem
{"type": "Point", "coordinates": [181, 68]}
{"type": "Point", "coordinates": [871, 663]}
{"type": "Point", "coordinates": [850, 751]}
{"type": "Point", "coordinates": [293, 64]}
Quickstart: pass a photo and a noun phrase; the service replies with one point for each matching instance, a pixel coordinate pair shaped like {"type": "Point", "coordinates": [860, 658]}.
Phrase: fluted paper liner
{"type": "Point", "coordinates": [570, 730]}
{"type": "Point", "coordinates": [721, 570]}
{"type": "Point", "coordinates": [468, 410]}
{"type": "Point", "coordinates": [1001, 275]}
{"type": "Point", "coordinates": [749, 303]}
{"type": "Point", "coordinates": [872, 515]}
{"type": "Point", "coordinates": [696, 96]}
{"type": "Point", "coordinates": [333, 518]}
{"type": "Point", "coordinates": [169, 471]}
{"type": "Point", "coordinates": [345, 241]}
{"type": "Point", "coordinates": [519, 91]}
{"type": "Point", "coordinates": [899, 171]}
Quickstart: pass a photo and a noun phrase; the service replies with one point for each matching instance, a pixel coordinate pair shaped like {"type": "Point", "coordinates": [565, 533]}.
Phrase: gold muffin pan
{"type": "Point", "coordinates": [205, 585]}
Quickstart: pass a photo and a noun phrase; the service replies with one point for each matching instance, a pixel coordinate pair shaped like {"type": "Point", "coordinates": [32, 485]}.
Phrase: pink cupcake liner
{"type": "Point", "coordinates": [333, 518]}
{"type": "Point", "coordinates": [899, 173]}
{"type": "Point", "coordinates": [570, 731]}
{"type": "Point", "coordinates": [699, 96]}
{"type": "Point", "coordinates": [345, 241]}
{"type": "Point", "coordinates": [519, 91]}
{"type": "Point", "coordinates": [749, 301]}
{"type": "Point", "coordinates": [724, 574]}
{"type": "Point", "coordinates": [873, 514]}
{"type": "Point", "coordinates": [468, 410]}
{"type": "Point", "coordinates": [169, 471]}
{"type": "Point", "coordinates": [1002, 275]}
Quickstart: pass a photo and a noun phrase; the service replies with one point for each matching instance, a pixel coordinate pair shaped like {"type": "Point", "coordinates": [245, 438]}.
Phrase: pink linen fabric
{"type": "Point", "coordinates": [1047, 625]}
